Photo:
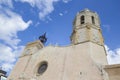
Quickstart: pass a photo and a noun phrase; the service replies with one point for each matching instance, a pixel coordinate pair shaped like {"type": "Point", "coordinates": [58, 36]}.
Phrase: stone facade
{"type": "Point", "coordinates": [83, 59]}
{"type": "Point", "coordinates": [113, 71]}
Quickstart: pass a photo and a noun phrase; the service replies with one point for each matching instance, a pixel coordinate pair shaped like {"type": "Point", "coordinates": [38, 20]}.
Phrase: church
{"type": "Point", "coordinates": [84, 59]}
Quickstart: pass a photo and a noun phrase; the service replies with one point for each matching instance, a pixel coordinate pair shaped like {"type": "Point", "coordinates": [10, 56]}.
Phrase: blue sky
{"type": "Point", "coordinates": [23, 21]}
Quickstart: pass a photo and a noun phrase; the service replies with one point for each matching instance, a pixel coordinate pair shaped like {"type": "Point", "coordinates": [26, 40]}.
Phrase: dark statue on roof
{"type": "Point", "coordinates": [43, 38]}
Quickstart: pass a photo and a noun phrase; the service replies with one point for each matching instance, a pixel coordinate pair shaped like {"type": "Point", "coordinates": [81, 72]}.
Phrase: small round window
{"type": "Point", "coordinates": [42, 68]}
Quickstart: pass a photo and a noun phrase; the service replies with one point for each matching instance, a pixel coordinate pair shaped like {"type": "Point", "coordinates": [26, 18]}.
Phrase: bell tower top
{"type": "Point", "coordinates": [86, 27]}
{"type": "Point", "coordinates": [86, 16]}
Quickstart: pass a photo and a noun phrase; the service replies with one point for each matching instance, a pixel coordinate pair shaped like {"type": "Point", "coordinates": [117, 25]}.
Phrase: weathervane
{"type": "Point", "coordinates": [43, 38]}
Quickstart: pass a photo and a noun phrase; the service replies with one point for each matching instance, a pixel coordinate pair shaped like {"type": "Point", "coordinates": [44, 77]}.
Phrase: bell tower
{"type": "Point", "coordinates": [87, 31]}
{"type": "Point", "coordinates": [86, 28]}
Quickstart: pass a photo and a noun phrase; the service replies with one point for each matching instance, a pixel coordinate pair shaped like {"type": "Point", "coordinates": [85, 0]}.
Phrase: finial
{"type": "Point", "coordinates": [86, 9]}
{"type": "Point", "coordinates": [43, 38]}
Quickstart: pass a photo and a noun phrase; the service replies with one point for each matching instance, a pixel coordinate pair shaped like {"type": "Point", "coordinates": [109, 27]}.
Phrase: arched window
{"type": "Point", "coordinates": [93, 20]}
{"type": "Point", "coordinates": [82, 19]}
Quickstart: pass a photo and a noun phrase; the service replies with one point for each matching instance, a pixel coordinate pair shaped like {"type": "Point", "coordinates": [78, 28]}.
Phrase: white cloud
{"type": "Point", "coordinates": [61, 14]}
{"type": "Point", "coordinates": [7, 66]}
{"type": "Point", "coordinates": [8, 56]}
{"type": "Point", "coordinates": [45, 6]}
{"type": "Point", "coordinates": [66, 1]}
{"type": "Point", "coordinates": [38, 23]}
{"type": "Point", "coordinates": [118, 51]}
{"type": "Point", "coordinates": [10, 24]}
{"type": "Point", "coordinates": [49, 18]}
{"type": "Point", "coordinates": [7, 3]}
{"type": "Point", "coordinates": [113, 56]}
